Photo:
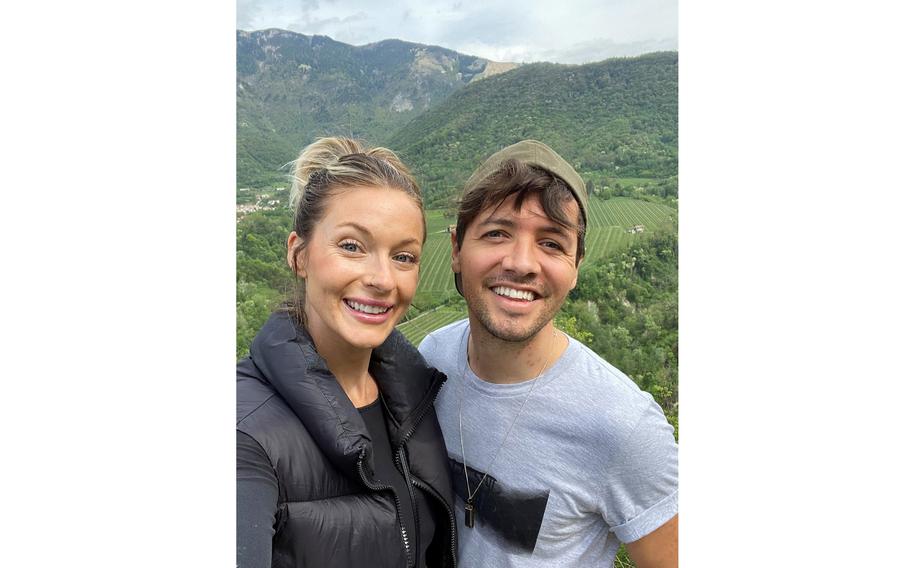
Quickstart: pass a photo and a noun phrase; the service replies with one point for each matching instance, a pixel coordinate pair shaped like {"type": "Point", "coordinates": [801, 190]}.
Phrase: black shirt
{"type": "Point", "coordinates": [419, 530]}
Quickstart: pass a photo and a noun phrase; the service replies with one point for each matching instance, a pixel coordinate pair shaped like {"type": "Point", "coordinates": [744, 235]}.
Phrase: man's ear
{"type": "Point", "coordinates": [577, 268]}
{"type": "Point", "coordinates": [295, 264]}
{"type": "Point", "coordinates": [456, 260]}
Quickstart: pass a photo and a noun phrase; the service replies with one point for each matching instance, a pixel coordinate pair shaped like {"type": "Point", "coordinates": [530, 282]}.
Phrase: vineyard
{"type": "Point", "coordinates": [417, 328]}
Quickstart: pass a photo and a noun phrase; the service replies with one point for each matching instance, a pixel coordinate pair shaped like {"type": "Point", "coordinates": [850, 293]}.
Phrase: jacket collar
{"type": "Point", "coordinates": [287, 357]}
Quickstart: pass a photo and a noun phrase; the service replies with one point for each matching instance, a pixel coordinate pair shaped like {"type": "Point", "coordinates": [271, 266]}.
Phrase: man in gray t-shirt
{"type": "Point", "coordinates": [557, 456]}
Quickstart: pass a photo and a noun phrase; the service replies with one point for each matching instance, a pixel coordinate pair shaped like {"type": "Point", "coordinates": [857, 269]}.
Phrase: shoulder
{"type": "Point", "coordinates": [252, 389]}
{"type": "Point", "coordinates": [610, 401]}
{"type": "Point", "coordinates": [439, 343]}
{"type": "Point", "coordinates": [588, 371]}
{"type": "Point", "coordinates": [260, 410]}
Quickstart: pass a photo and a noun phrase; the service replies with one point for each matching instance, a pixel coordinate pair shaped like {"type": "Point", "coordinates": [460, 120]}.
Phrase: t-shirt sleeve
{"type": "Point", "coordinates": [642, 480]}
{"type": "Point", "coordinates": [257, 504]}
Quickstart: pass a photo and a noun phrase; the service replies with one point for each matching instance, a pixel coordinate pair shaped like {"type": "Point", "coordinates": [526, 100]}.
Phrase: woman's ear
{"type": "Point", "coordinates": [294, 257]}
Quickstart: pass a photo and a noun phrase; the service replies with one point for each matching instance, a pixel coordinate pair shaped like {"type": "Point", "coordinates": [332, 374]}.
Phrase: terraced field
{"type": "Point", "coordinates": [416, 329]}
{"type": "Point", "coordinates": [435, 269]}
{"type": "Point", "coordinates": [626, 212]}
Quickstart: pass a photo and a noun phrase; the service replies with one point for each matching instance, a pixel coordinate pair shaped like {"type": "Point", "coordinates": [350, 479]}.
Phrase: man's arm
{"type": "Point", "coordinates": [658, 549]}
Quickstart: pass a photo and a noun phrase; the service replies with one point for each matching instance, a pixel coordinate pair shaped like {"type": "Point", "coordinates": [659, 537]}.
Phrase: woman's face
{"type": "Point", "coordinates": [360, 266]}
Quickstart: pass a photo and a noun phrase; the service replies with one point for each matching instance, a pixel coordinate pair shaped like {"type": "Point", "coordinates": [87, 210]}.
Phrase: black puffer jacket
{"type": "Point", "coordinates": [331, 511]}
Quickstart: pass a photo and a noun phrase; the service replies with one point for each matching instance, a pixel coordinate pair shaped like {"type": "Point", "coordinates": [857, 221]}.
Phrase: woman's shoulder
{"type": "Point", "coordinates": [257, 400]}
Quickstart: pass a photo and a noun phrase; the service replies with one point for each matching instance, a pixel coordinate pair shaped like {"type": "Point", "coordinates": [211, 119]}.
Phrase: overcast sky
{"type": "Point", "coordinates": [561, 31]}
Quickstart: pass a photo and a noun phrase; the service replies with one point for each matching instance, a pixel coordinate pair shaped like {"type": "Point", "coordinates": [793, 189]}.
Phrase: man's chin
{"type": "Point", "coordinates": [512, 332]}
{"type": "Point", "coordinates": [506, 327]}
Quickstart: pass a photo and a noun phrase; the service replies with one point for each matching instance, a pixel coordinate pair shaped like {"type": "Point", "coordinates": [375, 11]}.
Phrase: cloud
{"type": "Point", "coordinates": [575, 31]}
{"type": "Point", "coordinates": [605, 48]}
{"type": "Point", "coordinates": [248, 11]}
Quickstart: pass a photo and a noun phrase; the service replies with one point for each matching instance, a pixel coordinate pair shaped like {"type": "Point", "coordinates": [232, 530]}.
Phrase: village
{"type": "Point", "coordinates": [261, 201]}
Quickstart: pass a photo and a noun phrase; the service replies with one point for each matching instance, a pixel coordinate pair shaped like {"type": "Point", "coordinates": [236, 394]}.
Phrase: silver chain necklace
{"type": "Point", "coordinates": [469, 502]}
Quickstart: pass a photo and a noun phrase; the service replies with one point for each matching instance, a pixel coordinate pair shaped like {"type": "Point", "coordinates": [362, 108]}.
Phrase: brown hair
{"type": "Point", "coordinates": [522, 180]}
{"type": "Point", "coordinates": [332, 164]}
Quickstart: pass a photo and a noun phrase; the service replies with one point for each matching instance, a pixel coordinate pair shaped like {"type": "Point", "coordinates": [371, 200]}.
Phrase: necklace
{"type": "Point", "coordinates": [469, 502]}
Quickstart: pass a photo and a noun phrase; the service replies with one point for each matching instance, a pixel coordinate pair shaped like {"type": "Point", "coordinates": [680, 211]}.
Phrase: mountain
{"type": "Point", "coordinates": [292, 88]}
{"type": "Point", "coordinates": [612, 119]}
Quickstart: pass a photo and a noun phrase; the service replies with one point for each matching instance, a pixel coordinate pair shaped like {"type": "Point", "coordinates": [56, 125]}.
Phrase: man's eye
{"type": "Point", "coordinates": [553, 245]}
{"type": "Point", "coordinates": [493, 234]}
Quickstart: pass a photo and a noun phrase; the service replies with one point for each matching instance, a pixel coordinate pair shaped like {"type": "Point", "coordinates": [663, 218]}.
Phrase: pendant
{"type": "Point", "coordinates": [469, 514]}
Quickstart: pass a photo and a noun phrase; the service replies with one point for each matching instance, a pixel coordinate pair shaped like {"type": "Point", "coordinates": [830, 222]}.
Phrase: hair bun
{"type": "Point", "coordinates": [320, 155]}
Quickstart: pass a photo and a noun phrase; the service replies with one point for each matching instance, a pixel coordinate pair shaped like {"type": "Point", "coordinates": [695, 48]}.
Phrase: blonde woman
{"type": "Point", "coordinates": [340, 458]}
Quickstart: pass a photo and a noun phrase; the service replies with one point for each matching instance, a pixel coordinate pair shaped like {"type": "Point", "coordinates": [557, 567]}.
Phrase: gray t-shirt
{"type": "Point", "coordinates": [591, 461]}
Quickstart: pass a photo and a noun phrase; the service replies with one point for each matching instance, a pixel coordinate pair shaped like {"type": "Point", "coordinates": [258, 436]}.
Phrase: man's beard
{"type": "Point", "coordinates": [506, 332]}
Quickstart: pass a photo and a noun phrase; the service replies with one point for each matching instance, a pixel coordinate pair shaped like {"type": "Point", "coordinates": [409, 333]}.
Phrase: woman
{"type": "Point", "coordinates": [340, 459]}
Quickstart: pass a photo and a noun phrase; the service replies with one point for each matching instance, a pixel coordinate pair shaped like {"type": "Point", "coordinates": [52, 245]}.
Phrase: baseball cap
{"type": "Point", "coordinates": [537, 154]}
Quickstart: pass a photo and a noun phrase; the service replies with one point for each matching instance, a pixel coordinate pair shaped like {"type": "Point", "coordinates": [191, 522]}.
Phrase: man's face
{"type": "Point", "coordinates": [517, 267]}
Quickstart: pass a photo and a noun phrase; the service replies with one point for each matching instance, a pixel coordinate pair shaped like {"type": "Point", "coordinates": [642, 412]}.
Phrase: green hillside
{"type": "Point", "coordinates": [292, 88]}
{"type": "Point", "coordinates": [612, 119]}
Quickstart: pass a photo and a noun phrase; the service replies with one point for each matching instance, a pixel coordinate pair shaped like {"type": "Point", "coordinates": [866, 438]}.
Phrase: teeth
{"type": "Point", "coordinates": [367, 309]}
{"type": "Point", "coordinates": [513, 293]}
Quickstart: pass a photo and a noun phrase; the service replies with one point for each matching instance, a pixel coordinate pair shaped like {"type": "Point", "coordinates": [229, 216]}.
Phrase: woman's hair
{"type": "Point", "coordinates": [327, 166]}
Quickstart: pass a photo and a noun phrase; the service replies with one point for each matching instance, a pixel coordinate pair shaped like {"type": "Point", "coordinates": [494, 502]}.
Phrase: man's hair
{"type": "Point", "coordinates": [522, 180]}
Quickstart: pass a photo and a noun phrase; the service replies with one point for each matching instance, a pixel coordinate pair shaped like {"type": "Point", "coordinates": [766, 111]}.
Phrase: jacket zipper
{"type": "Point", "coordinates": [379, 487]}
{"type": "Point", "coordinates": [403, 467]}
{"type": "Point", "coordinates": [417, 482]}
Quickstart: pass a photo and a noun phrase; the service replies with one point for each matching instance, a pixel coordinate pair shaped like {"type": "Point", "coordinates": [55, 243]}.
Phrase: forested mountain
{"type": "Point", "coordinates": [615, 119]}
{"type": "Point", "coordinates": [293, 87]}
{"type": "Point", "coordinates": [612, 119]}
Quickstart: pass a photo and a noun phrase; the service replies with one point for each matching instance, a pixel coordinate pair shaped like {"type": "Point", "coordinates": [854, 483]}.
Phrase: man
{"type": "Point", "coordinates": [557, 456]}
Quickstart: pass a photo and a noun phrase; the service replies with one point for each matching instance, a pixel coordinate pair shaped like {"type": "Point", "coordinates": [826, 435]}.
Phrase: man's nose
{"type": "Point", "coordinates": [521, 258]}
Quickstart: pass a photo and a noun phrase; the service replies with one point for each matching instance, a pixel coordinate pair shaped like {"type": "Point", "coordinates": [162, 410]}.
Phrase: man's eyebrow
{"type": "Point", "coordinates": [555, 228]}
{"type": "Point", "coordinates": [498, 221]}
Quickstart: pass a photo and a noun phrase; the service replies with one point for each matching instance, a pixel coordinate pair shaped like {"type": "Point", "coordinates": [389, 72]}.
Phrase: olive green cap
{"type": "Point", "coordinates": [537, 154]}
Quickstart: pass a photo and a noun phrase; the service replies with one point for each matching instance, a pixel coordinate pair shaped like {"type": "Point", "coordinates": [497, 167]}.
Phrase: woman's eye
{"type": "Point", "coordinates": [349, 246]}
{"type": "Point", "coordinates": [405, 257]}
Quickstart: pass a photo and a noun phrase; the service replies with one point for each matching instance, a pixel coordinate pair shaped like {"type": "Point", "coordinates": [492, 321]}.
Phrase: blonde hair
{"type": "Point", "coordinates": [335, 163]}
{"type": "Point", "coordinates": [329, 155]}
